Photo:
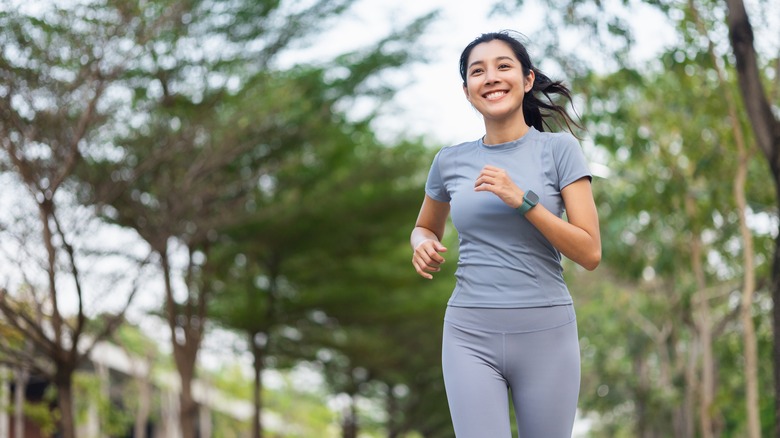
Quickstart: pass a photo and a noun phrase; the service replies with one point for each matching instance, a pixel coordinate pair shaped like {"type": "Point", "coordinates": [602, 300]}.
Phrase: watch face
{"type": "Point", "coordinates": [532, 197]}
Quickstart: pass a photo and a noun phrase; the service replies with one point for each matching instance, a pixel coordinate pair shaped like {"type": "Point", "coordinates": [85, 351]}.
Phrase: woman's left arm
{"type": "Point", "coordinates": [579, 239]}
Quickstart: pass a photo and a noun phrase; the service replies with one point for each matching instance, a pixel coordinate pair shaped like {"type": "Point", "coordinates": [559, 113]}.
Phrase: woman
{"type": "Point", "coordinates": [510, 323]}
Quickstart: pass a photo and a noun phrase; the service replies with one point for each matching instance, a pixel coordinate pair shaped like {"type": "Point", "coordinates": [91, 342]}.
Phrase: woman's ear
{"type": "Point", "coordinates": [466, 92]}
{"type": "Point", "coordinates": [529, 81]}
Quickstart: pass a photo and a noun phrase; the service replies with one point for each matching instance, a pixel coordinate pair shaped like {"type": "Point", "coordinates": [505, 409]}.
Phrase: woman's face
{"type": "Point", "coordinates": [495, 84]}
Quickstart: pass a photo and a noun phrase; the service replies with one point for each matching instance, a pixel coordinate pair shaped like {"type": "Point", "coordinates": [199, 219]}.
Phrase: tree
{"type": "Point", "coordinates": [766, 129]}
{"type": "Point", "coordinates": [189, 170]}
{"type": "Point", "coordinates": [58, 68]}
{"type": "Point", "coordinates": [336, 194]}
{"type": "Point", "coordinates": [679, 251]}
{"type": "Point", "coordinates": [743, 158]}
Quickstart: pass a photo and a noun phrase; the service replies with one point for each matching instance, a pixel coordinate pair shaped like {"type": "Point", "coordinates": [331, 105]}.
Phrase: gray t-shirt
{"type": "Point", "coordinates": [504, 260]}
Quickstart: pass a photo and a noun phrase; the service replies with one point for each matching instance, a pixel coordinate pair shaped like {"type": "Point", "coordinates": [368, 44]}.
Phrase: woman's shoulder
{"type": "Point", "coordinates": [463, 145]}
{"type": "Point", "coordinates": [559, 140]}
{"type": "Point", "coordinates": [561, 136]}
{"type": "Point", "coordinates": [458, 148]}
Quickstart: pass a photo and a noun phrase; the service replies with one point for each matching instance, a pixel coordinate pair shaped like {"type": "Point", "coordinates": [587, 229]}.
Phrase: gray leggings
{"type": "Point", "coordinates": [533, 352]}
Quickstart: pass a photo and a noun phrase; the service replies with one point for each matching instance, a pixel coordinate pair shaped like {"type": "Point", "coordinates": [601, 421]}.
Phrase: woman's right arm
{"type": "Point", "coordinates": [426, 236]}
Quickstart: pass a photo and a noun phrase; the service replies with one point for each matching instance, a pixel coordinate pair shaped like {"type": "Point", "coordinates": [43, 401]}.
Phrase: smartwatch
{"type": "Point", "coordinates": [530, 199]}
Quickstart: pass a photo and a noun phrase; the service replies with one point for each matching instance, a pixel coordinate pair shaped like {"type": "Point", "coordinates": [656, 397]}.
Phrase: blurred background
{"type": "Point", "coordinates": [205, 208]}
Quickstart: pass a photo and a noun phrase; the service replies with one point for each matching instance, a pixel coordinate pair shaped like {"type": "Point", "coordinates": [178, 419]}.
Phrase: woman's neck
{"type": "Point", "coordinates": [503, 132]}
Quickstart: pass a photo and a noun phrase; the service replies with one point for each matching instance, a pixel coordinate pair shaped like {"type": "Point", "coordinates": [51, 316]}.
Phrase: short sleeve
{"type": "Point", "coordinates": [570, 162]}
{"type": "Point", "coordinates": [434, 186]}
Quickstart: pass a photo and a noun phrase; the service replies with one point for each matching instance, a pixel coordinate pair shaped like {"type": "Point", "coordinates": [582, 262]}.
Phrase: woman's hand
{"type": "Point", "coordinates": [427, 257]}
{"type": "Point", "coordinates": [497, 181]}
{"type": "Point", "coordinates": [426, 237]}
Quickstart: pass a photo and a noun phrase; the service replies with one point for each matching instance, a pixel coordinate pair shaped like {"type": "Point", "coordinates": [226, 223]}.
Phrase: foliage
{"type": "Point", "coordinates": [304, 408]}
{"type": "Point", "coordinates": [316, 248]}
{"type": "Point", "coordinates": [59, 65]}
{"type": "Point", "coordinates": [43, 416]}
{"type": "Point", "coordinates": [187, 167]}
{"type": "Point", "coordinates": [669, 186]}
{"type": "Point", "coordinates": [93, 393]}
{"type": "Point", "coordinates": [227, 427]}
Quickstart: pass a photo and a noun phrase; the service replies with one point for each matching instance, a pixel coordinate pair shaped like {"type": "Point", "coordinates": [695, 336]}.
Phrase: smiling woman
{"type": "Point", "coordinates": [503, 68]}
{"type": "Point", "coordinates": [495, 84]}
{"type": "Point", "coordinates": [510, 321]}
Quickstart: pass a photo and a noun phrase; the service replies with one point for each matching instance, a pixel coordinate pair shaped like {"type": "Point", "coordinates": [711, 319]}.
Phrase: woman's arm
{"type": "Point", "coordinates": [579, 239]}
{"type": "Point", "coordinates": [426, 236]}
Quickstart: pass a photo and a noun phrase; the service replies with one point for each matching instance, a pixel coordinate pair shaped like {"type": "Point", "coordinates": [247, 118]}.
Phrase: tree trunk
{"type": "Point", "coordinates": [257, 353]}
{"type": "Point", "coordinates": [63, 382]}
{"type": "Point", "coordinates": [645, 426]}
{"type": "Point", "coordinates": [766, 129]}
{"type": "Point", "coordinates": [185, 357]}
{"type": "Point", "coordinates": [749, 282]}
{"type": "Point", "coordinates": [20, 381]}
{"type": "Point", "coordinates": [185, 322]}
{"type": "Point", "coordinates": [144, 401]}
{"type": "Point", "coordinates": [144, 408]}
{"type": "Point", "coordinates": [776, 322]}
{"type": "Point", "coordinates": [393, 429]}
{"type": "Point", "coordinates": [189, 409]}
{"type": "Point", "coordinates": [349, 426]}
{"type": "Point", "coordinates": [691, 383]}
{"type": "Point", "coordinates": [746, 310]}
{"type": "Point", "coordinates": [5, 401]}
{"type": "Point", "coordinates": [703, 324]}
{"type": "Point", "coordinates": [648, 427]}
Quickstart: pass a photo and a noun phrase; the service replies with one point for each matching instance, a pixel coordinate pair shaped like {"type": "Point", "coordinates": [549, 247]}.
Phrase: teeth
{"type": "Point", "coordinates": [495, 94]}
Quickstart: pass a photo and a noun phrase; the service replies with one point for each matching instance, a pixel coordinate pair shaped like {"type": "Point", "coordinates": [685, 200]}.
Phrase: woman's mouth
{"type": "Point", "coordinates": [494, 95]}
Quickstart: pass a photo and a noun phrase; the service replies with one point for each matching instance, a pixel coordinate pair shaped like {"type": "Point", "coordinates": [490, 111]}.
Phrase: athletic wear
{"type": "Point", "coordinates": [533, 351]}
{"type": "Point", "coordinates": [510, 322]}
{"type": "Point", "coordinates": [504, 260]}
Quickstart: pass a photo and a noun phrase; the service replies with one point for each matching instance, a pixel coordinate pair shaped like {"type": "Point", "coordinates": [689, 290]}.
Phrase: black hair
{"type": "Point", "coordinates": [535, 110]}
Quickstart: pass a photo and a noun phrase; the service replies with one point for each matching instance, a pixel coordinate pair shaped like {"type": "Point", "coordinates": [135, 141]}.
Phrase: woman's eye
{"type": "Point", "coordinates": [504, 66]}
{"type": "Point", "coordinates": [476, 71]}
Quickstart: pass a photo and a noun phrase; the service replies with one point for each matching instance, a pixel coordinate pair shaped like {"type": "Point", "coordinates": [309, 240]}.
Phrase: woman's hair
{"type": "Point", "coordinates": [535, 110]}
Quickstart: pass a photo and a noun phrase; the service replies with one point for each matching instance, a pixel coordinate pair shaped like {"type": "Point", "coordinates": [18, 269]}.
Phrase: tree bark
{"type": "Point", "coordinates": [349, 426]}
{"type": "Point", "coordinates": [393, 427]}
{"type": "Point", "coordinates": [766, 129]}
{"type": "Point", "coordinates": [144, 400]}
{"type": "Point", "coordinates": [257, 392]}
{"type": "Point", "coordinates": [20, 380]}
{"type": "Point", "coordinates": [702, 318]}
{"type": "Point", "coordinates": [63, 382]}
{"type": "Point", "coordinates": [746, 309]}
{"type": "Point", "coordinates": [691, 383]}
{"type": "Point", "coordinates": [186, 330]}
{"type": "Point", "coordinates": [5, 401]}
{"type": "Point", "coordinates": [189, 408]}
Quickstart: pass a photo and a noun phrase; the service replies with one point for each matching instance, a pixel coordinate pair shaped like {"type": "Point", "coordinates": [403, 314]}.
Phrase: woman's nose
{"type": "Point", "coordinates": [491, 76]}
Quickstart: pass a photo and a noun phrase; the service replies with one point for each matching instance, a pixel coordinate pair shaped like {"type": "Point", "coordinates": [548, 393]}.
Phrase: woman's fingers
{"type": "Point", "coordinates": [427, 259]}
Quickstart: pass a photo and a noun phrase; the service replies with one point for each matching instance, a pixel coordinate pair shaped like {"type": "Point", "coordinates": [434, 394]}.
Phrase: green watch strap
{"type": "Point", "coordinates": [530, 199]}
